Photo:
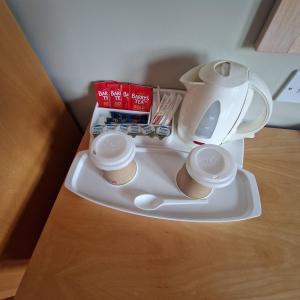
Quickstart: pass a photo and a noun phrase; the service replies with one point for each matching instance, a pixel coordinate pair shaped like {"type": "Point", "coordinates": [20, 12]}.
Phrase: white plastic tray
{"type": "Point", "coordinates": [157, 169]}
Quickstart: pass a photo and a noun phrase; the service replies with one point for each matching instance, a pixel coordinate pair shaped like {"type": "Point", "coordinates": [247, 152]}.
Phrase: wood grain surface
{"type": "Point", "coordinates": [88, 251]}
{"type": "Point", "coordinates": [11, 274]}
{"type": "Point", "coordinates": [38, 141]}
{"type": "Point", "coordinates": [36, 129]}
{"type": "Point", "coordinates": [281, 33]}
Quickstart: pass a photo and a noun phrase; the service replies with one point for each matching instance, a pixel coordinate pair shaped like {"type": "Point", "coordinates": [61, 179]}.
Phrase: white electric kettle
{"type": "Point", "coordinates": [217, 99]}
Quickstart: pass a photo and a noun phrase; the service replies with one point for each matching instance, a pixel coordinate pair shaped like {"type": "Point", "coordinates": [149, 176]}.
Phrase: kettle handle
{"type": "Point", "coordinates": [248, 129]}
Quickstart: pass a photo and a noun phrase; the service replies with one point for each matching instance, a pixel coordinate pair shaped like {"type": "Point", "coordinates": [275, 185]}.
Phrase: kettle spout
{"type": "Point", "coordinates": [191, 78]}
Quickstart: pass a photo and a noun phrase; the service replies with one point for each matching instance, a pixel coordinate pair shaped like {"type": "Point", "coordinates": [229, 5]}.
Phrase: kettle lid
{"type": "Point", "coordinates": [224, 73]}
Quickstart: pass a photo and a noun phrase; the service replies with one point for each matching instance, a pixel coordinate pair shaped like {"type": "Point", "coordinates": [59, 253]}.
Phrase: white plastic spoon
{"type": "Point", "coordinates": [152, 202]}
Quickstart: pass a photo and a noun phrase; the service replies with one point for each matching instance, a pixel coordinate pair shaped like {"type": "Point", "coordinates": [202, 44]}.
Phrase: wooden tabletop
{"type": "Point", "coordinates": [87, 251]}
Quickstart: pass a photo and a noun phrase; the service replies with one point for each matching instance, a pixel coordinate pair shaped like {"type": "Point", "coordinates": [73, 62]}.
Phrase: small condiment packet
{"type": "Point", "coordinates": [166, 109]}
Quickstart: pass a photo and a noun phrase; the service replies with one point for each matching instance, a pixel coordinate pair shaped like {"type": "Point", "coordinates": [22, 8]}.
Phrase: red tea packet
{"type": "Point", "coordinates": [102, 93]}
{"type": "Point", "coordinates": [125, 95]}
{"type": "Point", "coordinates": [115, 95]}
{"type": "Point", "coordinates": [140, 97]}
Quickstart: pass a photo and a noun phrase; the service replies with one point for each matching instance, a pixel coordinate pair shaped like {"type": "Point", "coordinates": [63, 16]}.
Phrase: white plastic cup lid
{"type": "Point", "coordinates": [211, 166]}
{"type": "Point", "coordinates": [112, 151]}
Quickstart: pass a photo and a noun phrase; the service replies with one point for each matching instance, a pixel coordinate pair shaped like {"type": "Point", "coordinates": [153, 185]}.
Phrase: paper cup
{"type": "Point", "coordinates": [207, 167]}
{"type": "Point", "coordinates": [113, 153]}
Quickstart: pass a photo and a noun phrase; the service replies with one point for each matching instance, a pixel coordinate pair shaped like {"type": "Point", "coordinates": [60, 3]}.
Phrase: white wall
{"type": "Point", "coordinates": [146, 41]}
